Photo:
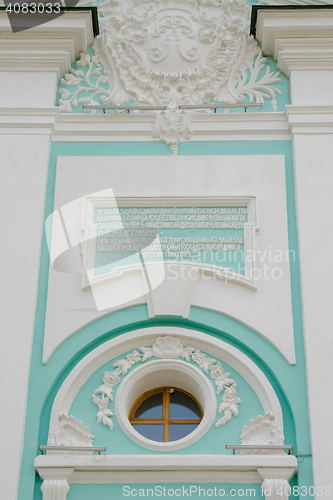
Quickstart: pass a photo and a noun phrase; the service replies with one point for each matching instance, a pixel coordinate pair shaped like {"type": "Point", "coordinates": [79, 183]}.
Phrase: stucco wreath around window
{"type": "Point", "coordinates": [168, 348]}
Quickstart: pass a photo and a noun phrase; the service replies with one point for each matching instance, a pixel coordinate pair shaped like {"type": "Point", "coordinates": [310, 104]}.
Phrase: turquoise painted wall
{"type": "Point", "coordinates": [165, 490]}
{"type": "Point", "coordinates": [288, 381]}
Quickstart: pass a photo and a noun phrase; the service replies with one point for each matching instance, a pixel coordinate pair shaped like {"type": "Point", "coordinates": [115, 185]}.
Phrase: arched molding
{"type": "Point", "coordinates": [147, 336]}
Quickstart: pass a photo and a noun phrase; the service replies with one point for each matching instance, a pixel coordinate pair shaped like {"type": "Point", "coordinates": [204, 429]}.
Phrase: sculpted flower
{"type": "Point", "coordinates": [237, 14]}
{"type": "Point", "coordinates": [198, 357]}
{"type": "Point", "coordinates": [135, 357]}
{"type": "Point", "coordinates": [111, 379]}
{"type": "Point", "coordinates": [207, 33]}
{"type": "Point", "coordinates": [167, 348]}
{"type": "Point", "coordinates": [217, 372]}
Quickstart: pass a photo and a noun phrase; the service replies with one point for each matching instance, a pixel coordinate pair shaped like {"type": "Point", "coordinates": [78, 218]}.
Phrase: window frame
{"type": "Point", "coordinates": [165, 420]}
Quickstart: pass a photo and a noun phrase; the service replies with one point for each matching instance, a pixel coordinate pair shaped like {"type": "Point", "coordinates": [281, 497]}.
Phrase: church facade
{"type": "Point", "coordinates": [166, 182]}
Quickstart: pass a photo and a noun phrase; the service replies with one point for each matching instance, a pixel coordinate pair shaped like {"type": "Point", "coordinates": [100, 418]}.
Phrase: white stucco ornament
{"type": "Point", "coordinates": [69, 432]}
{"type": "Point", "coordinates": [263, 430]}
{"type": "Point", "coordinates": [169, 348]}
{"type": "Point", "coordinates": [171, 52]}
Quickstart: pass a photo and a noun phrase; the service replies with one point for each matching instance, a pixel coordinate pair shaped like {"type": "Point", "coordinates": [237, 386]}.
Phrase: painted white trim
{"type": "Point", "coordinates": [165, 372]}
{"type": "Point", "coordinates": [147, 336]}
{"type": "Point", "coordinates": [164, 476]}
{"type": "Point", "coordinates": [310, 119]}
{"type": "Point", "coordinates": [154, 464]}
{"type": "Point", "coordinates": [82, 127]}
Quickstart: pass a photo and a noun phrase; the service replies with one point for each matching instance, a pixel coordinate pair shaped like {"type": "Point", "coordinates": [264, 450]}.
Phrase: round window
{"type": "Point", "coordinates": [165, 414]}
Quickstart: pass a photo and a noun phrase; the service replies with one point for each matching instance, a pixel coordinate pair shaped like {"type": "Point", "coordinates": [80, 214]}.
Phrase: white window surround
{"type": "Point", "coordinates": [165, 372]}
{"type": "Point", "coordinates": [147, 336]}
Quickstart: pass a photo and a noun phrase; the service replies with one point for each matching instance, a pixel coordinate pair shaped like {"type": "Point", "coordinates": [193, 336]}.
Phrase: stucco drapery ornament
{"type": "Point", "coordinates": [171, 52]}
{"type": "Point", "coordinates": [169, 348]}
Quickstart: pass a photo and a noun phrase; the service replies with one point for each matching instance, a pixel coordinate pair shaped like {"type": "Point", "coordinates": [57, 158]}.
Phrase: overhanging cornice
{"type": "Point", "coordinates": [52, 46]}
{"type": "Point", "coordinates": [297, 37]}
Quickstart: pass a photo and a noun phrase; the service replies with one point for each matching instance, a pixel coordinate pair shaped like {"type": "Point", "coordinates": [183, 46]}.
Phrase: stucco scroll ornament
{"type": "Point", "coordinates": [263, 430]}
{"type": "Point", "coordinates": [85, 80]}
{"type": "Point", "coordinates": [69, 432]}
{"type": "Point", "coordinates": [169, 348]}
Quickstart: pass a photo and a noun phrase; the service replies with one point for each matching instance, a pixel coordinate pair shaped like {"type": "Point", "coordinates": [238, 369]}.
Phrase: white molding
{"type": "Point", "coordinates": [274, 473]}
{"type": "Point", "coordinates": [55, 473]}
{"type": "Point", "coordinates": [82, 127]}
{"type": "Point", "coordinates": [147, 336]}
{"type": "Point", "coordinates": [297, 39]}
{"type": "Point", "coordinates": [180, 466]}
{"type": "Point", "coordinates": [173, 373]}
{"type": "Point", "coordinates": [52, 46]}
{"type": "Point", "coordinates": [304, 54]}
{"type": "Point", "coordinates": [164, 476]}
{"type": "Point", "coordinates": [28, 121]}
{"type": "Point", "coordinates": [310, 119]}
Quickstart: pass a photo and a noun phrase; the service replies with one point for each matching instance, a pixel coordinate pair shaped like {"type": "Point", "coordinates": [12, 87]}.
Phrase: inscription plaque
{"type": "Point", "coordinates": [207, 235]}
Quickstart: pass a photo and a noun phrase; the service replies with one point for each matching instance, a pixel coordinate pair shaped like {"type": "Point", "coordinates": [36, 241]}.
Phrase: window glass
{"type": "Point", "coordinates": [178, 431]}
{"type": "Point", "coordinates": [151, 431]}
{"type": "Point", "coordinates": [183, 406]}
{"type": "Point", "coordinates": [151, 407]}
{"type": "Point", "coordinates": [165, 414]}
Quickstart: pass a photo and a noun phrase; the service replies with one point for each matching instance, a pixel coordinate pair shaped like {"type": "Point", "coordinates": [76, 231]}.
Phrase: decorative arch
{"type": "Point", "coordinates": [147, 336]}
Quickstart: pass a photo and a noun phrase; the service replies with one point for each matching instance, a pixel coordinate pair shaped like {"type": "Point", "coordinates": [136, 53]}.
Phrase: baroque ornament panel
{"type": "Point", "coordinates": [168, 348]}
{"type": "Point", "coordinates": [172, 52]}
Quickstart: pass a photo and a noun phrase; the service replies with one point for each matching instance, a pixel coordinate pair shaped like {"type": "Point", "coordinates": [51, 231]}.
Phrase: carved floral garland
{"type": "Point", "coordinates": [171, 52]}
{"type": "Point", "coordinates": [168, 348]}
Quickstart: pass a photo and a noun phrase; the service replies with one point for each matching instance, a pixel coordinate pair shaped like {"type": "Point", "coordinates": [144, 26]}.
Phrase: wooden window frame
{"type": "Point", "coordinates": [165, 420]}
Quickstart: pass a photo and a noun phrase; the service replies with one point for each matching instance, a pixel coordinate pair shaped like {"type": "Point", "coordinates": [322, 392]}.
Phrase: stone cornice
{"type": "Point", "coordinates": [52, 46]}
{"type": "Point", "coordinates": [124, 127]}
{"type": "Point", "coordinates": [309, 119]}
{"type": "Point", "coordinates": [300, 39]}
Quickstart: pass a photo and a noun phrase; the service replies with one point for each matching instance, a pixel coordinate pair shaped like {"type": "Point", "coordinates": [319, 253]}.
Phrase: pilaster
{"type": "Point", "coordinates": [31, 62]}
{"type": "Point", "coordinates": [301, 40]}
{"type": "Point", "coordinates": [276, 482]}
{"type": "Point", "coordinates": [55, 485]}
